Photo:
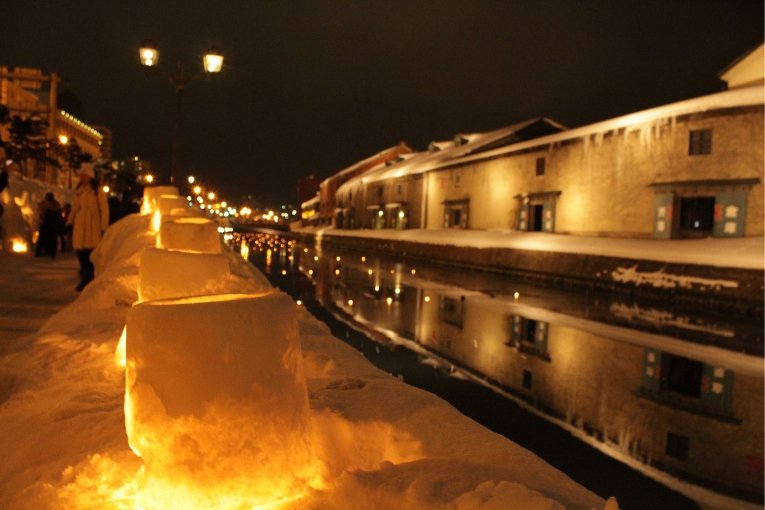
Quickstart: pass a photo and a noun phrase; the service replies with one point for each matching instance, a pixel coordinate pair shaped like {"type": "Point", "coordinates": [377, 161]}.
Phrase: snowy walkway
{"type": "Point", "coordinates": [33, 289]}
{"type": "Point", "coordinates": [747, 253]}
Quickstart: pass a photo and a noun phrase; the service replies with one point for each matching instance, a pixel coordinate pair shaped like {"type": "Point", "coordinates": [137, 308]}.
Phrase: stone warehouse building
{"type": "Point", "coordinates": [688, 169]}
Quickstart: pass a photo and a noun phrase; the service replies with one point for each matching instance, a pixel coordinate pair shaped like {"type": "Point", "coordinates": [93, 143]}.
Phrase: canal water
{"type": "Point", "coordinates": [627, 399]}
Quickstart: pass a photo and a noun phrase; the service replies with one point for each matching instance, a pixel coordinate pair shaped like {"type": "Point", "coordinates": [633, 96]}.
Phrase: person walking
{"type": "Point", "coordinates": [89, 218]}
{"type": "Point", "coordinates": [51, 224]}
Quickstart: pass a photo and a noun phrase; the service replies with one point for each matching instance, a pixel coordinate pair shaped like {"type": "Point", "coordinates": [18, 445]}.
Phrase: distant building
{"type": "Point", "coordinates": [23, 92]}
{"type": "Point", "coordinates": [106, 142]}
{"type": "Point", "coordinates": [309, 212]}
{"type": "Point", "coordinates": [694, 168]}
{"type": "Point", "coordinates": [328, 187]}
{"type": "Point", "coordinates": [308, 187]}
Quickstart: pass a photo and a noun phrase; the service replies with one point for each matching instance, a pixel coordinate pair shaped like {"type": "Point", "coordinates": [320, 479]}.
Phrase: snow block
{"type": "Point", "coordinates": [216, 396]}
{"type": "Point", "coordinates": [152, 193]}
{"type": "Point", "coordinates": [166, 203]}
{"type": "Point", "coordinates": [190, 234]}
{"type": "Point", "coordinates": [165, 274]}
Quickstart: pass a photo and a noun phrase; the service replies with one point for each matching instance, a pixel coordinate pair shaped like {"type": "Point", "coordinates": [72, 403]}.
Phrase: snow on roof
{"type": "Point", "coordinates": [421, 162]}
{"type": "Point", "coordinates": [749, 68]}
{"type": "Point", "coordinates": [748, 96]}
{"type": "Point", "coordinates": [633, 121]}
{"type": "Point", "coordinates": [309, 203]}
{"type": "Point", "coordinates": [365, 162]}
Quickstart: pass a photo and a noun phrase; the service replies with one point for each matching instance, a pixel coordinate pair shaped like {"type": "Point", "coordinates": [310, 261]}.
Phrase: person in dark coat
{"type": "Point", "coordinates": [51, 224]}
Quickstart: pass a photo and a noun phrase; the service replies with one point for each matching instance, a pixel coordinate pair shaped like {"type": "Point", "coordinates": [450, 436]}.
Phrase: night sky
{"type": "Point", "coordinates": [314, 86]}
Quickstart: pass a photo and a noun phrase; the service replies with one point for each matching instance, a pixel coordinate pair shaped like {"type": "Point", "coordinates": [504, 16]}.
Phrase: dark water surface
{"type": "Point", "coordinates": [564, 375]}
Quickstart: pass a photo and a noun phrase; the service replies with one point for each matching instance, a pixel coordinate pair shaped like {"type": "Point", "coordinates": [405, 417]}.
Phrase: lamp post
{"type": "Point", "coordinates": [212, 63]}
{"type": "Point", "coordinates": [63, 140]}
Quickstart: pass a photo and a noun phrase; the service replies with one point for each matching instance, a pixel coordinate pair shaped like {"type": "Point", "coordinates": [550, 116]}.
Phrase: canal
{"type": "Point", "coordinates": [626, 398]}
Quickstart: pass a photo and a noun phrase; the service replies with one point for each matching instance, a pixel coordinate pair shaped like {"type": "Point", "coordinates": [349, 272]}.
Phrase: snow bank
{"type": "Point", "coordinates": [740, 252]}
{"type": "Point", "coordinates": [376, 442]}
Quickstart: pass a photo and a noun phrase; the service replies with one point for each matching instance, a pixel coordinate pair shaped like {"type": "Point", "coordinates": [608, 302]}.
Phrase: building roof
{"type": "Point", "coordinates": [748, 69]}
{"type": "Point", "coordinates": [473, 143]}
{"type": "Point", "coordinates": [487, 145]}
{"type": "Point", "coordinates": [386, 154]}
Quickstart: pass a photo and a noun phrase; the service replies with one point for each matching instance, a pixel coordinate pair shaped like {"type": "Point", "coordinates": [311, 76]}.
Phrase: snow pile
{"type": "Point", "coordinates": [19, 220]}
{"type": "Point", "coordinates": [370, 440]}
{"type": "Point", "coordinates": [741, 252]}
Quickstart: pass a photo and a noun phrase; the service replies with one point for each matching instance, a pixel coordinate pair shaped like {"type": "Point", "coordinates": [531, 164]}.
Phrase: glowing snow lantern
{"type": "Point", "coordinates": [152, 193]}
{"type": "Point", "coordinates": [216, 401]}
{"type": "Point", "coordinates": [19, 245]}
{"type": "Point", "coordinates": [165, 274]}
{"type": "Point", "coordinates": [190, 234]}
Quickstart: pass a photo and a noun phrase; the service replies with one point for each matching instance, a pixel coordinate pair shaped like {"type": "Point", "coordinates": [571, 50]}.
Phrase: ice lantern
{"type": "Point", "coordinates": [164, 274]}
{"type": "Point", "coordinates": [164, 205]}
{"type": "Point", "coordinates": [190, 234]}
{"type": "Point", "coordinates": [216, 399]}
{"type": "Point", "coordinates": [152, 193]}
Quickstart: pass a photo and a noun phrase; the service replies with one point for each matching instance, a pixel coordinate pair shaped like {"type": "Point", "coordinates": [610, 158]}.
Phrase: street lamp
{"type": "Point", "coordinates": [212, 63]}
{"type": "Point", "coordinates": [63, 140]}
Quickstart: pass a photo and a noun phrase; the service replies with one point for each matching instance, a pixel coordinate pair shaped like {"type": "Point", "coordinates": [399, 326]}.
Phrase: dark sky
{"type": "Point", "coordinates": [314, 86]}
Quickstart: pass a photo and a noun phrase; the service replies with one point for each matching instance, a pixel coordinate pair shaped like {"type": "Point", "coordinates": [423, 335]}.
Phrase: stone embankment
{"type": "Point", "coordinates": [730, 289]}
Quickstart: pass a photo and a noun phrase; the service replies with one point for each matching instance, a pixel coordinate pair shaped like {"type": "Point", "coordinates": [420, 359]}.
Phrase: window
{"type": "Point", "coordinates": [700, 142]}
{"type": "Point", "coordinates": [677, 446]}
{"type": "Point", "coordinates": [541, 162]}
{"type": "Point", "coordinates": [451, 310]}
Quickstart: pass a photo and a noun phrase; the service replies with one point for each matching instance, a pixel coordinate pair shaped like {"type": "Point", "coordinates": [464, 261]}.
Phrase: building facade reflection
{"type": "Point", "coordinates": [656, 394]}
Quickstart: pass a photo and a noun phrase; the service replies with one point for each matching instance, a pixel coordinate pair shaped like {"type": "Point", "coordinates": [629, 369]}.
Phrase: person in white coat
{"type": "Point", "coordinates": [89, 219]}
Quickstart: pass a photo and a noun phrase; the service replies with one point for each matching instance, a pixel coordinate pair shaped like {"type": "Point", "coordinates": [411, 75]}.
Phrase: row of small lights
{"type": "Point", "coordinates": [269, 244]}
{"type": "Point", "coordinates": [71, 118]}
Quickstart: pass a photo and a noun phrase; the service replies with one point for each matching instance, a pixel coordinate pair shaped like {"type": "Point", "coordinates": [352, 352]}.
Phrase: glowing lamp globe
{"type": "Point", "coordinates": [148, 55]}
{"type": "Point", "coordinates": [212, 61]}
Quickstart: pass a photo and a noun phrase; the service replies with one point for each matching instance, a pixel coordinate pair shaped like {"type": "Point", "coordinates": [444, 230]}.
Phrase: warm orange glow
{"type": "Point", "coordinates": [156, 221]}
{"type": "Point", "coordinates": [232, 444]}
{"type": "Point", "coordinates": [119, 354]}
{"type": "Point", "coordinates": [18, 245]}
{"type": "Point", "coordinates": [245, 251]}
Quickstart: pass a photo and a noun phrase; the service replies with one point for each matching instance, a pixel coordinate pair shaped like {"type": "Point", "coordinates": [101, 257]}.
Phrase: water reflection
{"type": "Point", "coordinates": [643, 382]}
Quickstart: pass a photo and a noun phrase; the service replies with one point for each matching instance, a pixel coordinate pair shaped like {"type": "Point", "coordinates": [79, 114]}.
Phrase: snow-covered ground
{"type": "Point", "coordinates": [743, 252]}
{"type": "Point", "coordinates": [375, 442]}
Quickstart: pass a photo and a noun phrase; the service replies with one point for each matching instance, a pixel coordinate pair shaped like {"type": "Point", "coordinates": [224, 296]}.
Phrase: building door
{"type": "Point", "coordinates": [456, 214]}
{"type": "Point", "coordinates": [536, 214]}
{"type": "Point", "coordinates": [697, 216]}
